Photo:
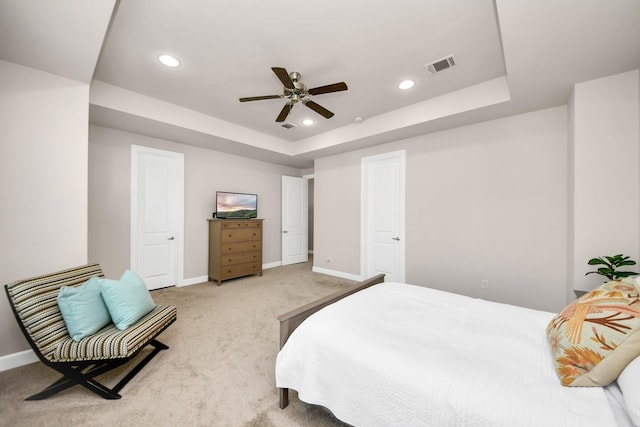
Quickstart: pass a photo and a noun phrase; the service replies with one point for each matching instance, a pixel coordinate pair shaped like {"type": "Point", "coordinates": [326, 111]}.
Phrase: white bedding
{"type": "Point", "coordinates": [403, 355]}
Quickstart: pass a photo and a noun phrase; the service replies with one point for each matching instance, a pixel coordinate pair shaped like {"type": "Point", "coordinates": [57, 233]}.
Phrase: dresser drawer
{"type": "Point", "coordinates": [229, 271]}
{"type": "Point", "coordinates": [241, 234]}
{"type": "Point", "coordinates": [231, 224]}
{"type": "Point", "coordinates": [240, 257]}
{"type": "Point", "coordinates": [248, 246]}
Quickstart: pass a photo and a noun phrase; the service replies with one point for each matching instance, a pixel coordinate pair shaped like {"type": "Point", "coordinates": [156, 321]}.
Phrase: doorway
{"type": "Point", "coordinates": [157, 215]}
{"type": "Point", "coordinates": [383, 216]}
{"type": "Point", "coordinates": [295, 214]}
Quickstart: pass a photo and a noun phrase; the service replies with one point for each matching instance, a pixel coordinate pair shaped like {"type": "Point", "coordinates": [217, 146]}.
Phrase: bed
{"type": "Point", "coordinates": [393, 354]}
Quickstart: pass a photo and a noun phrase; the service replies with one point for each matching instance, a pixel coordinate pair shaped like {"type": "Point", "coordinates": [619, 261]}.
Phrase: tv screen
{"type": "Point", "coordinates": [236, 205]}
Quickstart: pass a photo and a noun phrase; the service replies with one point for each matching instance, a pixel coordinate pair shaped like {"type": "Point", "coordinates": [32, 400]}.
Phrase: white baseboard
{"type": "Point", "coordinates": [15, 360]}
{"type": "Point", "coordinates": [193, 281]}
{"type": "Point", "coordinates": [271, 265]}
{"type": "Point", "coordinates": [339, 274]}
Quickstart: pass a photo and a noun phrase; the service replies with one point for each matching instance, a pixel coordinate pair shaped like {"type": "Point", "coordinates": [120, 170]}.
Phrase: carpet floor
{"type": "Point", "coordinates": [218, 371]}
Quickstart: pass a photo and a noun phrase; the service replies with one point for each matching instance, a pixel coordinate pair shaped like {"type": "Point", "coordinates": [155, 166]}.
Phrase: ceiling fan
{"type": "Point", "coordinates": [295, 91]}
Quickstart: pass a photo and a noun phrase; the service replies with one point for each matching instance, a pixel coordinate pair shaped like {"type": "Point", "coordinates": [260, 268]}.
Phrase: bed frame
{"type": "Point", "coordinates": [291, 320]}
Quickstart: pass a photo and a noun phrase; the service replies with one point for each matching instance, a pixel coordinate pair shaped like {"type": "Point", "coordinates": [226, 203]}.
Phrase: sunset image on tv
{"type": "Point", "coordinates": [236, 205]}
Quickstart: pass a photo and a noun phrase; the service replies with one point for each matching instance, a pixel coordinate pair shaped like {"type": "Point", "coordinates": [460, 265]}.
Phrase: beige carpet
{"type": "Point", "coordinates": [218, 371]}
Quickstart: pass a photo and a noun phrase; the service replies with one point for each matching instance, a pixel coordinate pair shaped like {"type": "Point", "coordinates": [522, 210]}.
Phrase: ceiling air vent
{"type": "Point", "coordinates": [441, 64]}
{"type": "Point", "coordinates": [288, 125]}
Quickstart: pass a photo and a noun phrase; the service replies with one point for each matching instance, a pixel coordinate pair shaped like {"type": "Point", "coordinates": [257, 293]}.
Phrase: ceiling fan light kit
{"type": "Point", "coordinates": [295, 91]}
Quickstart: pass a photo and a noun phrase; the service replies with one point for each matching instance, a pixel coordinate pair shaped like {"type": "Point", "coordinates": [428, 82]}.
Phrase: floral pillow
{"type": "Point", "coordinates": [596, 336]}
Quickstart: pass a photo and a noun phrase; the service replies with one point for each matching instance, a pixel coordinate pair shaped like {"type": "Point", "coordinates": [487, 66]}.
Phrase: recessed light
{"type": "Point", "coordinates": [307, 122]}
{"type": "Point", "coordinates": [169, 61]}
{"type": "Point", "coordinates": [406, 84]}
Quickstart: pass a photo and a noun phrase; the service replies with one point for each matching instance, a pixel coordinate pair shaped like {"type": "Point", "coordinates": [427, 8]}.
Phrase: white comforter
{"type": "Point", "coordinates": [403, 355]}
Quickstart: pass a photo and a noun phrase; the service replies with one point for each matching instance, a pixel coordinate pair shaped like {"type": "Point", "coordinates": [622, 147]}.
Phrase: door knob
{"type": "Point", "coordinates": [171, 238]}
{"type": "Point", "coordinates": [397, 239]}
{"type": "Point", "coordinates": [285, 231]}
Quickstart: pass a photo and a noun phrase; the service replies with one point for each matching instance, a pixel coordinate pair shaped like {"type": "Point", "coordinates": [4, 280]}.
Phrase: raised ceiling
{"type": "Point", "coordinates": [227, 50]}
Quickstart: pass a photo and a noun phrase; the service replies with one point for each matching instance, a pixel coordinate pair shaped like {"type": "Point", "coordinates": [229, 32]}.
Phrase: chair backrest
{"type": "Point", "coordinates": [35, 307]}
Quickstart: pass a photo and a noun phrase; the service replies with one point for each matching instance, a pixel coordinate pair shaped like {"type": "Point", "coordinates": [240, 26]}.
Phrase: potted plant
{"type": "Point", "coordinates": [611, 265]}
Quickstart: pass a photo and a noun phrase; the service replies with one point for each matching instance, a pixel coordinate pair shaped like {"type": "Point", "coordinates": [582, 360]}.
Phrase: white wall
{"type": "Point", "coordinates": [486, 201]}
{"type": "Point", "coordinates": [205, 172]}
{"type": "Point", "coordinates": [606, 174]}
{"type": "Point", "coordinates": [502, 200]}
{"type": "Point", "coordinates": [43, 180]}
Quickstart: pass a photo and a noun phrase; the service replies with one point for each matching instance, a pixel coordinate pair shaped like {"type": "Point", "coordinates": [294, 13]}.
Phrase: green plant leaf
{"type": "Point", "coordinates": [625, 273]}
{"type": "Point", "coordinates": [611, 263]}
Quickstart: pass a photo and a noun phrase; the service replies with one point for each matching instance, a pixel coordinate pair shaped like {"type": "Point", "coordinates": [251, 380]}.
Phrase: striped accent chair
{"type": "Point", "coordinates": [35, 307]}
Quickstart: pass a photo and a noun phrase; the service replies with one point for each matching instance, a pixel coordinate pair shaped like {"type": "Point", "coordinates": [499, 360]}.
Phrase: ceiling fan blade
{"type": "Point", "coordinates": [336, 87]}
{"type": "Point", "coordinates": [282, 74]}
{"type": "Point", "coordinates": [319, 109]}
{"type": "Point", "coordinates": [284, 113]}
{"type": "Point", "coordinates": [258, 98]}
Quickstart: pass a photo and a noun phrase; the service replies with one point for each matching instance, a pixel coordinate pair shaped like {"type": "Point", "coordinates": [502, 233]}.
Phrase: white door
{"type": "Point", "coordinates": [383, 204]}
{"type": "Point", "coordinates": [294, 220]}
{"type": "Point", "coordinates": [157, 178]}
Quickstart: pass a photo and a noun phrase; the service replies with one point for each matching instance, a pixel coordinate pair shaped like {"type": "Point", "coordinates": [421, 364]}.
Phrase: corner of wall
{"type": "Point", "coordinates": [570, 196]}
{"type": "Point", "coordinates": [605, 216]}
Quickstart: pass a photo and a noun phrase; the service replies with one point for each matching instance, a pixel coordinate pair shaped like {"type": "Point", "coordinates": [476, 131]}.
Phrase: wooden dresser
{"type": "Point", "coordinates": [235, 248]}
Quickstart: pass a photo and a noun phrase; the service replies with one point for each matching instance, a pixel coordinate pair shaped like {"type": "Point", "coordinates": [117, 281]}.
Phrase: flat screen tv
{"type": "Point", "coordinates": [236, 205]}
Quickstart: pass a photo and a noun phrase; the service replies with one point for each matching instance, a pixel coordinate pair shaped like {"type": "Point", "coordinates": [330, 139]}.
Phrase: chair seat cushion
{"type": "Point", "coordinates": [112, 343]}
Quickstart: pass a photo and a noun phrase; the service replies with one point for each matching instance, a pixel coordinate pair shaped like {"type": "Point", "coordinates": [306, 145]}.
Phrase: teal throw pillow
{"type": "Point", "coordinates": [127, 299]}
{"type": "Point", "coordinates": [83, 309]}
